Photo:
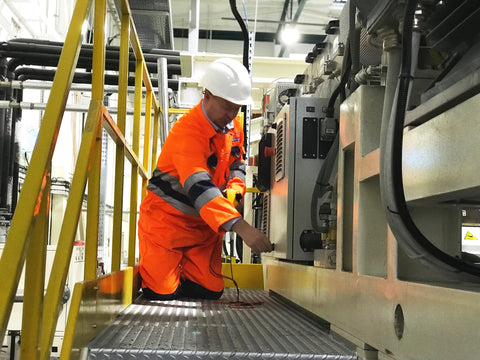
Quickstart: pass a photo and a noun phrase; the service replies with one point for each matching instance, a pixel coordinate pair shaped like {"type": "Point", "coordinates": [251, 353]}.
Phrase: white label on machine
{"type": "Point", "coordinates": [470, 239]}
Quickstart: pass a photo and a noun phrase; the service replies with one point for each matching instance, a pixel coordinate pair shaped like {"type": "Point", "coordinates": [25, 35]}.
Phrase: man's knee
{"type": "Point", "coordinates": [193, 290]}
{"type": "Point", "coordinates": [152, 295]}
{"type": "Point", "coordinates": [187, 289]}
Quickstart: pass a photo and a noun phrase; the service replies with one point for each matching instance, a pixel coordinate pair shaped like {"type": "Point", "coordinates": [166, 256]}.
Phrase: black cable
{"type": "Point", "coordinates": [246, 45]}
{"type": "Point", "coordinates": [347, 65]}
{"type": "Point", "coordinates": [243, 27]}
{"type": "Point", "coordinates": [322, 185]}
{"type": "Point", "coordinates": [398, 214]}
{"type": "Point", "coordinates": [212, 270]}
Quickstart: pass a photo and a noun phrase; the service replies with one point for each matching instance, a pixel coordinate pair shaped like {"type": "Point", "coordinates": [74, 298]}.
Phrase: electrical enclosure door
{"type": "Point", "coordinates": [298, 159]}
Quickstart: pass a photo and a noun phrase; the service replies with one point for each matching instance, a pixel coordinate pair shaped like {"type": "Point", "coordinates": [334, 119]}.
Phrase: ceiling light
{"type": "Point", "coordinates": [290, 35]}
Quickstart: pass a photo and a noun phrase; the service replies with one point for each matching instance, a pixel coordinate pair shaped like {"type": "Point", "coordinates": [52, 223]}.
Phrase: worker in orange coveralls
{"type": "Point", "coordinates": [184, 215]}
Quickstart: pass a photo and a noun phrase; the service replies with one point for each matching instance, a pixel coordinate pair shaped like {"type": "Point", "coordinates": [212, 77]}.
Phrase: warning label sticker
{"type": "Point", "coordinates": [470, 239]}
{"type": "Point", "coordinates": [470, 236]}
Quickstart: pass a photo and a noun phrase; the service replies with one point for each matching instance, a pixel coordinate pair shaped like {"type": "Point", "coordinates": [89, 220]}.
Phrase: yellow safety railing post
{"type": "Point", "coordinates": [137, 112]}
{"type": "Point", "coordinates": [35, 279]}
{"type": "Point", "coordinates": [128, 286]}
{"type": "Point", "coordinates": [120, 149]}
{"type": "Point", "coordinates": [71, 322]}
{"type": "Point", "coordinates": [68, 230]}
{"type": "Point", "coordinates": [17, 243]}
{"type": "Point", "coordinates": [93, 204]}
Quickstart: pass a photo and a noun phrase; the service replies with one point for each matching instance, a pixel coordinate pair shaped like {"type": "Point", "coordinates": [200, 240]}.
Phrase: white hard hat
{"type": "Point", "coordinates": [228, 79]}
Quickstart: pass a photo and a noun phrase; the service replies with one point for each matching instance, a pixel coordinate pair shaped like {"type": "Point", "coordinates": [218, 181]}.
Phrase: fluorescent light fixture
{"type": "Point", "coordinates": [290, 35]}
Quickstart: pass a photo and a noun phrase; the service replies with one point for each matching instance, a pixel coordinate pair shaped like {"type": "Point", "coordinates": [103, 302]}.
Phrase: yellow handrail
{"type": "Point", "coordinates": [35, 276]}
{"type": "Point", "coordinates": [29, 202]}
{"type": "Point", "coordinates": [93, 205]}
{"type": "Point", "coordinates": [32, 211]}
{"type": "Point", "coordinates": [120, 149]}
{"type": "Point", "coordinates": [61, 262]}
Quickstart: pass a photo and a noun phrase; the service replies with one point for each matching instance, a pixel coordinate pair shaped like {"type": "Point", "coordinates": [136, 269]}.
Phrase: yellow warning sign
{"type": "Point", "coordinates": [469, 236]}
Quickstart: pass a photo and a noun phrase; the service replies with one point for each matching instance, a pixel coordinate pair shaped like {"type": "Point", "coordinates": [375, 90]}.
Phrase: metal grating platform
{"type": "Point", "coordinates": [194, 329]}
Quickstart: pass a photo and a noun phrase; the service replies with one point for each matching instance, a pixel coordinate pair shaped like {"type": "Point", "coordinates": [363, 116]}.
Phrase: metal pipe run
{"type": "Point", "coordinates": [47, 55]}
{"type": "Point", "coordinates": [111, 52]}
{"type": "Point", "coordinates": [5, 104]}
{"type": "Point", "coordinates": [47, 85]}
{"type": "Point", "coordinates": [32, 58]}
{"type": "Point", "coordinates": [26, 73]}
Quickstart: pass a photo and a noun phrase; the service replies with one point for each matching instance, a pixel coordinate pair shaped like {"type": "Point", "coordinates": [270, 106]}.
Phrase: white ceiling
{"type": "Point", "coordinates": [268, 13]}
{"type": "Point", "coordinates": [49, 19]}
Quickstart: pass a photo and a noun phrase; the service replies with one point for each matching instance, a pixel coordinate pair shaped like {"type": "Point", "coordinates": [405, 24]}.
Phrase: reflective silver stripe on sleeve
{"type": "Point", "coordinates": [168, 188]}
{"type": "Point", "coordinates": [201, 189]}
{"type": "Point", "coordinates": [195, 178]}
{"type": "Point", "coordinates": [206, 196]}
{"type": "Point", "coordinates": [237, 169]}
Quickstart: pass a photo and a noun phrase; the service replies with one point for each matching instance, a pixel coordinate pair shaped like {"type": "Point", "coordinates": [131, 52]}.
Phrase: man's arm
{"type": "Point", "coordinates": [254, 238]}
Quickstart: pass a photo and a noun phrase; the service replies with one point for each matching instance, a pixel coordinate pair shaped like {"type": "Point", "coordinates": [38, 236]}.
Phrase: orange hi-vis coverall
{"type": "Point", "coordinates": [181, 217]}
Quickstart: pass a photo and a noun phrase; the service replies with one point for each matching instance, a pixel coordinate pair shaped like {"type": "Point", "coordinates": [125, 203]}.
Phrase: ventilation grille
{"type": "Point", "coordinates": [265, 212]}
{"type": "Point", "coordinates": [153, 22]}
{"type": "Point", "coordinates": [280, 151]}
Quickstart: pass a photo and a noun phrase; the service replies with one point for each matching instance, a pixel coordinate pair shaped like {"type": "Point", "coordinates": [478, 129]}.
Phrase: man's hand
{"type": "Point", "coordinates": [254, 238]}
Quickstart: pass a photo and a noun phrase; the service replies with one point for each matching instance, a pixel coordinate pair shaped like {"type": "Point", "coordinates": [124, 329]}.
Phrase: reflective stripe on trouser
{"type": "Point", "coordinates": [176, 246]}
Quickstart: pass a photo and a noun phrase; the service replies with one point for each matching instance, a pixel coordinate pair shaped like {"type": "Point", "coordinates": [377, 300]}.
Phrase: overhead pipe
{"type": "Point", "coordinates": [48, 55]}
{"type": "Point", "coordinates": [31, 58]}
{"type": "Point", "coordinates": [27, 73]}
{"type": "Point", "coordinates": [85, 51]}
{"type": "Point", "coordinates": [25, 105]}
{"type": "Point", "coordinates": [172, 56]}
{"type": "Point", "coordinates": [24, 82]}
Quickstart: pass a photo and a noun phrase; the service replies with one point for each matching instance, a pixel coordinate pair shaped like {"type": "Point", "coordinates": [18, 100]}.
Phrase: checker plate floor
{"type": "Point", "coordinates": [269, 328]}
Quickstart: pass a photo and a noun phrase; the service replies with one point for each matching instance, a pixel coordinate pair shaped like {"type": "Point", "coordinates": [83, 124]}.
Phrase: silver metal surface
{"type": "Point", "coordinates": [291, 193]}
{"type": "Point", "coordinates": [459, 91]}
{"type": "Point", "coordinates": [163, 97]}
{"type": "Point", "coordinates": [210, 329]}
{"type": "Point", "coordinates": [389, 305]}
{"type": "Point", "coordinates": [439, 322]}
{"type": "Point", "coordinates": [440, 156]}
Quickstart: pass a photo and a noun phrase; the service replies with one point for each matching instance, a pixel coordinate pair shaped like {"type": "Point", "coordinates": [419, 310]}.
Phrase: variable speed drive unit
{"type": "Point", "coordinates": [301, 145]}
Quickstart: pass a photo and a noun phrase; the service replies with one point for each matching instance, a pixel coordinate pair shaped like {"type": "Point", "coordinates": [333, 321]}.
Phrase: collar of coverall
{"type": "Point", "coordinates": [217, 128]}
